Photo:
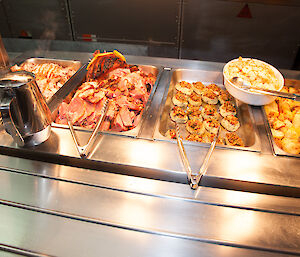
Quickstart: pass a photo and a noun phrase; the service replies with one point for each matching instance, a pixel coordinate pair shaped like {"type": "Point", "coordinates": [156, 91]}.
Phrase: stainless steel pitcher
{"type": "Point", "coordinates": [25, 114]}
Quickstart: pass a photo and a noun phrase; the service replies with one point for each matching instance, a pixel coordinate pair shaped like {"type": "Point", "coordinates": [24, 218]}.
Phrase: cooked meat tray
{"type": "Point", "coordinates": [247, 131]}
{"type": "Point", "coordinates": [51, 74]}
{"type": "Point", "coordinates": [85, 106]}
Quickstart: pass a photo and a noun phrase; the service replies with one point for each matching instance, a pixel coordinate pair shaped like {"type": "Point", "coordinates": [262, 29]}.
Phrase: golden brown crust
{"type": "Point", "coordinates": [212, 125]}
{"type": "Point", "coordinates": [195, 138]}
{"type": "Point", "coordinates": [227, 109]}
{"type": "Point", "coordinates": [194, 113]}
{"type": "Point", "coordinates": [214, 88]}
{"type": "Point", "coordinates": [208, 96]}
{"type": "Point", "coordinates": [180, 99]}
{"type": "Point", "coordinates": [198, 87]}
{"type": "Point", "coordinates": [195, 99]}
{"type": "Point", "coordinates": [234, 140]}
{"type": "Point", "coordinates": [195, 127]}
{"type": "Point", "coordinates": [179, 115]}
{"type": "Point", "coordinates": [209, 111]}
{"type": "Point", "coordinates": [231, 123]}
{"type": "Point", "coordinates": [184, 87]}
{"type": "Point", "coordinates": [224, 96]}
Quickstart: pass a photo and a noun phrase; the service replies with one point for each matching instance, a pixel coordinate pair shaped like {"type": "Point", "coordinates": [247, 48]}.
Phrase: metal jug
{"type": "Point", "coordinates": [25, 114]}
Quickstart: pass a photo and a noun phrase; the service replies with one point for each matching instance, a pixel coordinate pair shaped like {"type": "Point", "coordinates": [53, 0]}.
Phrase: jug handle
{"type": "Point", "coordinates": [8, 121]}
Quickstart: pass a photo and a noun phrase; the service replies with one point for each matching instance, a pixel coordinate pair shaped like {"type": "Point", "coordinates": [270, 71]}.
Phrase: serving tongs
{"type": "Point", "coordinates": [244, 85]}
{"type": "Point", "coordinates": [84, 150]}
{"type": "Point", "coordinates": [194, 180]}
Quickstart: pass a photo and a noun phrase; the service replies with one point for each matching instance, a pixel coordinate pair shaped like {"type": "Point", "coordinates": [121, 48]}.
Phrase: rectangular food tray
{"type": "Point", "coordinates": [156, 70]}
{"type": "Point", "coordinates": [247, 130]}
{"type": "Point", "coordinates": [65, 63]}
{"type": "Point", "coordinates": [276, 149]}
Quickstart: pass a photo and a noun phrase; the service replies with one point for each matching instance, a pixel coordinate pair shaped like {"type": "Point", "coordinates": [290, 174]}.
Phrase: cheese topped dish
{"type": "Point", "coordinates": [256, 73]}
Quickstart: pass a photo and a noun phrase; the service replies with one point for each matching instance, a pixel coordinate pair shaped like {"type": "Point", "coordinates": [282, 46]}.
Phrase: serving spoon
{"type": "Point", "coordinates": [245, 85]}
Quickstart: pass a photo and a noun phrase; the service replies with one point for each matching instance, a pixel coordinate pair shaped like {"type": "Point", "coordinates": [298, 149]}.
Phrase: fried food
{"type": "Point", "coordinates": [284, 119]}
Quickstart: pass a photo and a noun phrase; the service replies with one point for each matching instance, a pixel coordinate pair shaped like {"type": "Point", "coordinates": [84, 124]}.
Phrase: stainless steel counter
{"type": "Point", "coordinates": [131, 198]}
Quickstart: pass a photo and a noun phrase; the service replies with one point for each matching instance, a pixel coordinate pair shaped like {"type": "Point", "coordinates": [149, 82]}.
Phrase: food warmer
{"type": "Point", "coordinates": [130, 196]}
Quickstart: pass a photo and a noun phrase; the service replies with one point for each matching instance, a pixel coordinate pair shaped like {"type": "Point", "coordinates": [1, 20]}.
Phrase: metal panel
{"type": "Point", "coordinates": [104, 210]}
{"type": "Point", "coordinates": [38, 19]}
{"type": "Point", "coordinates": [128, 21]}
{"type": "Point", "coordinates": [59, 236]}
{"type": "Point", "coordinates": [212, 31]}
{"type": "Point", "coordinates": [5, 31]}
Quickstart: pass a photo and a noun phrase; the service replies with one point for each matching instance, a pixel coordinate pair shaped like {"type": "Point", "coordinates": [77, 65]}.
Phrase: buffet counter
{"type": "Point", "coordinates": [130, 197]}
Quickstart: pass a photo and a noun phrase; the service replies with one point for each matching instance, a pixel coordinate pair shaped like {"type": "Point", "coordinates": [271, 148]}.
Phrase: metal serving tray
{"type": "Point", "coordinates": [156, 70]}
{"type": "Point", "coordinates": [247, 130]}
{"type": "Point", "coordinates": [276, 149]}
{"type": "Point", "coordinates": [65, 63]}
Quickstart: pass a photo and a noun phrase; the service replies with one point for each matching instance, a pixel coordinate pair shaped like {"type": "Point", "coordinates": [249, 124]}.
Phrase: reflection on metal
{"type": "Point", "coordinates": [85, 150]}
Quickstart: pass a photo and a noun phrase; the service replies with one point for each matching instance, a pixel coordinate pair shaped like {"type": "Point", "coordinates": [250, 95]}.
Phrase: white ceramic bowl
{"type": "Point", "coordinates": [251, 97]}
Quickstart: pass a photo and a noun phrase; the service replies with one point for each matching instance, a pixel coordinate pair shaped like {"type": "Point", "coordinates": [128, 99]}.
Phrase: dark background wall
{"type": "Point", "coordinates": [210, 30]}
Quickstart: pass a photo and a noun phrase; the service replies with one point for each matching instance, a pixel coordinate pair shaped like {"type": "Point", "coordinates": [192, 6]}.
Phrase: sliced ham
{"type": "Point", "coordinates": [125, 116]}
{"type": "Point", "coordinates": [62, 112]}
{"type": "Point", "coordinates": [87, 93]}
{"type": "Point", "coordinates": [76, 109]}
{"type": "Point", "coordinates": [117, 73]}
{"type": "Point", "coordinates": [96, 97]}
{"type": "Point", "coordinates": [112, 109]}
{"type": "Point", "coordinates": [105, 125]}
{"type": "Point", "coordinates": [128, 91]}
{"type": "Point", "coordinates": [137, 93]}
{"type": "Point", "coordinates": [121, 100]}
{"type": "Point", "coordinates": [118, 124]}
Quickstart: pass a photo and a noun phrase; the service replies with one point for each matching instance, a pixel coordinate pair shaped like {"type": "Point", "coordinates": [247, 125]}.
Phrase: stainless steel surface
{"type": "Point", "coordinates": [33, 19]}
{"type": "Point", "coordinates": [142, 27]}
{"type": "Point", "coordinates": [85, 150]}
{"type": "Point", "coordinates": [25, 113]}
{"type": "Point", "coordinates": [183, 156]}
{"type": "Point", "coordinates": [229, 36]}
{"type": "Point", "coordinates": [205, 163]}
{"type": "Point", "coordinates": [240, 170]}
{"type": "Point", "coordinates": [102, 209]}
{"type": "Point", "coordinates": [247, 131]}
